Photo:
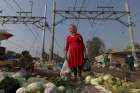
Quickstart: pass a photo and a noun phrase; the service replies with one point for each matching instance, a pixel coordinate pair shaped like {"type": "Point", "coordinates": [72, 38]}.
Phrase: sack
{"type": "Point", "coordinates": [87, 65]}
{"type": "Point", "coordinates": [65, 70]}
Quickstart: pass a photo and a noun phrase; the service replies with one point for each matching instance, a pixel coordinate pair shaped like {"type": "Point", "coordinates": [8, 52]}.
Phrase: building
{"type": "Point", "coordinates": [118, 57]}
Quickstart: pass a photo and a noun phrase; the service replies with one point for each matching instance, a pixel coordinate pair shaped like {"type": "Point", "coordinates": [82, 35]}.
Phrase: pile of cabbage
{"type": "Point", "coordinates": [112, 84]}
{"type": "Point", "coordinates": [39, 85]}
{"type": "Point", "coordinates": [16, 83]}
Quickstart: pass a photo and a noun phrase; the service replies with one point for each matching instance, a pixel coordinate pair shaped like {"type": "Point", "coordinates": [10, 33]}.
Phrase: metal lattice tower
{"type": "Point", "coordinates": [102, 13]}
{"type": "Point", "coordinates": [25, 17]}
{"type": "Point", "coordinates": [37, 21]}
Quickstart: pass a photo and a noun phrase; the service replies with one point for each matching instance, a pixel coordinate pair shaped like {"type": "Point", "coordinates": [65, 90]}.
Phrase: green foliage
{"type": "Point", "coordinates": [10, 52]}
{"type": "Point", "coordinates": [95, 47]}
{"type": "Point", "coordinates": [136, 84]}
{"type": "Point", "coordinates": [136, 45]}
{"type": "Point", "coordinates": [10, 85]}
{"type": "Point", "coordinates": [26, 60]}
{"type": "Point", "coordinates": [121, 90]}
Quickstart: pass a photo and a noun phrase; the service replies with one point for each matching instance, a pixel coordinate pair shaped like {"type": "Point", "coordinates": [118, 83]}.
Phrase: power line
{"type": "Point", "coordinates": [56, 42]}
{"type": "Point", "coordinates": [75, 3]}
{"type": "Point", "coordinates": [18, 5]}
{"type": "Point", "coordinates": [60, 47]}
{"type": "Point", "coordinates": [32, 31]}
{"type": "Point", "coordinates": [16, 44]}
{"type": "Point", "coordinates": [83, 2]}
{"type": "Point", "coordinates": [31, 4]}
{"type": "Point", "coordinates": [27, 24]}
{"type": "Point", "coordinates": [22, 10]}
{"type": "Point", "coordinates": [7, 14]}
{"type": "Point", "coordinates": [9, 5]}
{"type": "Point", "coordinates": [33, 43]}
{"type": "Point", "coordinates": [2, 10]}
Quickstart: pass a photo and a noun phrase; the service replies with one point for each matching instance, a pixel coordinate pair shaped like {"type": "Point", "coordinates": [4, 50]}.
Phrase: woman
{"type": "Point", "coordinates": [75, 51]}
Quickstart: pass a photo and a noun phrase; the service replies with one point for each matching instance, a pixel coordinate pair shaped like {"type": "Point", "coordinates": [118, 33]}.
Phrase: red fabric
{"type": "Point", "coordinates": [75, 50]}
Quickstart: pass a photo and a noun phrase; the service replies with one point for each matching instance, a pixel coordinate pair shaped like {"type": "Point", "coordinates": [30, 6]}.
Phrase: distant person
{"type": "Point", "coordinates": [75, 51]}
{"type": "Point", "coordinates": [26, 61]}
{"type": "Point", "coordinates": [130, 61]}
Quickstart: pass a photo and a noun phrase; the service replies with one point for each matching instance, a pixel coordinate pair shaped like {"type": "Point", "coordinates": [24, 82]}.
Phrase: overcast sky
{"type": "Point", "coordinates": [114, 34]}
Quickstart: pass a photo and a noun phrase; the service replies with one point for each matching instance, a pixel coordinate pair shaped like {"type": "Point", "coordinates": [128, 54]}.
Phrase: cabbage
{"type": "Point", "coordinates": [21, 90]}
{"type": "Point", "coordinates": [36, 87]}
{"type": "Point", "coordinates": [87, 79]}
{"type": "Point", "coordinates": [49, 84]}
{"type": "Point", "coordinates": [94, 81]}
{"type": "Point", "coordinates": [107, 77]}
{"type": "Point", "coordinates": [50, 88]}
{"type": "Point", "coordinates": [102, 89]}
{"type": "Point", "coordinates": [61, 88]}
{"type": "Point", "coordinates": [35, 79]}
{"type": "Point", "coordinates": [100, 80]}
{"type": "Point", "coordinates": [99, 74]}
{"type": "Point", "coordinates": [134, 90]}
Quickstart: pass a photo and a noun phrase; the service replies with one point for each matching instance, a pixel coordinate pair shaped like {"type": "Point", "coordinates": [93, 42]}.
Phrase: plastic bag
{"type": "Point", "coordinates": [65, 70]}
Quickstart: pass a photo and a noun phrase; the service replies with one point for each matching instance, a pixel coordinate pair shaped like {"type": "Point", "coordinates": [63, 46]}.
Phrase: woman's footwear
{"type": "Point", "coordinates": [78, 77]}
{"type": "Point", "coordinates": [73, 77]}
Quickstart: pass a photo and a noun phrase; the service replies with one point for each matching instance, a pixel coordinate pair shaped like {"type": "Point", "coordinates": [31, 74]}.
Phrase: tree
{"type": "Point", "coordinates": [136, 45]}
{"type": "Point", "coordinates": [26, 60]}
{"type": "Point", "coordinates": [95, 47]}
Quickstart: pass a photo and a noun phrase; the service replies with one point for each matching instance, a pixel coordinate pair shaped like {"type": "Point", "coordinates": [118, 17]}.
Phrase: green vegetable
{"type": "Point", "coordinates": [35, 87]}
{"type": "Point", "coordinates": [87, 79]}
{"type": "Point", "coordinates": [10, 85]}
{"type": "Point", "coordinates": [21, 90]}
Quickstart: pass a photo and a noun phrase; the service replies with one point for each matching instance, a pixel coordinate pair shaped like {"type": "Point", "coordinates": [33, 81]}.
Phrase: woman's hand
{"type": "Point", "coordinates": [66, 57]}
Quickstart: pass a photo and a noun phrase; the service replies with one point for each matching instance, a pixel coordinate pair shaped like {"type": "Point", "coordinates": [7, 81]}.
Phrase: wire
{"type": "Point", "coordinates": [56, 42]}
{"type": "Point", "coordinates": [16, 44]}
{"type": "Point", "coordinates": [83, 2]}
{"type": "Point", "coordinates": [27, 24]}
{"type": "Point", "coordinates": [4, 11]}
{"type": "Point", "coordinates": [23, 10]}
{"type": "Point", "coordinates": [59, 46]}
{"type": "Point", "coordinates": [75, 3]}
{"type": "Point", "coordinates": [33, 44]}
{"type": "Point", "coordinates": [18, 5]}
{"type": "Point", "coordinates": [32, 31]}
{"type": "Point", "coordinates": [31, 4]}
{"type": "Point", "coordinates": [9, 5]}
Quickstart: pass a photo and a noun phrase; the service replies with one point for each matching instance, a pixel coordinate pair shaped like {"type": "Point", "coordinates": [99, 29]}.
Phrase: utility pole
{"type": "Point", "coordinates": [130, 30]}
{"type": "Point", "coordinates": [44, 30]}
{"type": "Point", "coordinates": [53, 29]}
{"type": "Point", "coordinates": [102, 13]}
{"type": "Point", "coordinates": [31, 4]}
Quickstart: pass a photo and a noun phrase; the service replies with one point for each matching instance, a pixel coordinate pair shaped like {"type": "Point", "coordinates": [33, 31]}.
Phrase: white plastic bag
{"type": "Point", "coordinates": [65, 70]}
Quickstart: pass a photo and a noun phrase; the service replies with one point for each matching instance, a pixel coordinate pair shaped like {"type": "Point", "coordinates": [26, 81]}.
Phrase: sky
{"type": "Point", "coordinates": [114, 34]}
